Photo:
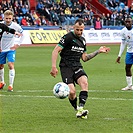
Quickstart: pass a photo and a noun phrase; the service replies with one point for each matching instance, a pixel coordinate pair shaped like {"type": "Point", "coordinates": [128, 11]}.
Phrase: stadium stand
{"type": "Point", "coordinates": [64, 13]}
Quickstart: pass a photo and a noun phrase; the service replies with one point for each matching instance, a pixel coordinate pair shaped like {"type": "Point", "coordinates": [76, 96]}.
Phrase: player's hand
{"type": "Point", "coordinates": [17, 34]}
{"type": "Point", "coordinates": [104, 49]}
{"type": "Point", "coordinates": [14, 47]}
{"type": "Point", "coordinates": [118, 60]}
{"type": "Point", "coordinates": [54, 72]}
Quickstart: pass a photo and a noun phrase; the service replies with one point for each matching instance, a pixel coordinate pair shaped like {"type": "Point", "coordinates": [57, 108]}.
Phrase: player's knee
{"type": "Point", "coordinates": [84, 85]}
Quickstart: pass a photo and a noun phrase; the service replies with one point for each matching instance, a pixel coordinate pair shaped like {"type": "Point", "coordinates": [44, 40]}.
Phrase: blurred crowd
{"type": "Point", "coordinates": [65, 12]}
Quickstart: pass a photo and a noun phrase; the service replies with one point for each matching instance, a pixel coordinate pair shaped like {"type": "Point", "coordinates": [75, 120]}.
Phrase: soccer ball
{"type": "Point", "coordinates": [61, 90]}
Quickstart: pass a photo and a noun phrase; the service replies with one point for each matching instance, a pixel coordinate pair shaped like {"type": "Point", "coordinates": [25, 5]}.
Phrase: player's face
{"type": "Point", "coordinates": [78, 29]}
{"type": "Point", "coordinates": [128, 22]}
{"type": "Point", "coordinates": [8, 19]}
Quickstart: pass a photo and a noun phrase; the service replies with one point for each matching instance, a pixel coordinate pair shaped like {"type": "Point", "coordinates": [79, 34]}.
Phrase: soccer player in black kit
{"type": "Point", "coordinates": [72, 48]}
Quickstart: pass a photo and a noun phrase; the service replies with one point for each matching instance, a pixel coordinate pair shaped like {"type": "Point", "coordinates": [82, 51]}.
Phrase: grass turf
{"type": "Point", "coordinates": [32, 108]}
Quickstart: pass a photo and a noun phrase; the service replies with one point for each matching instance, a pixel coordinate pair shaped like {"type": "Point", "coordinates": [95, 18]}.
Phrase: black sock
{"type": "Point", "coordinates": [83, 95]}
{"type": "Point", "coordinates": [74, 103]}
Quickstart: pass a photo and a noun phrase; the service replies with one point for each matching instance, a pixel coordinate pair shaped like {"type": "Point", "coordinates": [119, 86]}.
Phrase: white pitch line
{"type": "Point", "coordinates": [92, 98]}
{"type": "Point", "coordinates": [108, 91]}
{"type": "Point", "coordinates": [111, 99]}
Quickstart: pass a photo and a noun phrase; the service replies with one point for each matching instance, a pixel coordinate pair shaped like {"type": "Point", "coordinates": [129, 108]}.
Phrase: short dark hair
{"type": "Point", "coordinates": [128, 19]}
{"type": "Point", "coordinates": [80, 21]}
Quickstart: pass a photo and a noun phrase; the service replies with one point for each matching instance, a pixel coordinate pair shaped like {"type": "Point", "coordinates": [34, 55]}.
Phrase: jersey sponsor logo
{"type": "Point", "coordinates": [77, 49]}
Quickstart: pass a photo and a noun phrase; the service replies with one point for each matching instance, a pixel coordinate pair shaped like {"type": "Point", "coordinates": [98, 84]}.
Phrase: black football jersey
{"type": "Point", "coordinates": [73, 48]}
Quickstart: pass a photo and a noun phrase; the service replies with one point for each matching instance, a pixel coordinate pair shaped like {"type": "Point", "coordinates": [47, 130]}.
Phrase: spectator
{"type": "Point", "coordinates": [98, 24]}
{"type": "Point", "coordinates": [113, 17]}
{"type": "Point", "coordinates": [84, 7]}
{"type": "Point", "coordinates": [62, 19]}
{"type": "Point", "coordinates": [104, 19]}
{"type": "Point", "coordinates": [87, 18]}
{"type": "Point", "coordinates": [24, 21]}
{"type": "Point", "coordinates": [21, 3]}
{"type": "Point", "coordinates": [4, 5]}
{"type": "Point", "coordinates": [43, 20]}
{"type": "Point", "coordinates": [119, 19]}
{"type": "Point", "coordinates": [46, 13]}
{"type": "Point", "coordinates": [64, 5]}
{"type": "Point", "coordinates": [35, 16]}
{"type": "Point", "coordinates": [37, 22]}
{"type": "Point", "coordinates": [85, 10]}
{"type": "Point", "coordinates": [87, 21]}
{"type": "Point", "coordinates": [24, 9]}
{"type": "Point", "coordinates": [111, 4]}
{"type": "Point", "coordinates": [55, 18]}
{"type": "Point", "coordinates": [16, 4]}
{"type": "Point", "coordinates": [108, 22]}
{"type": "Point", "coordinates": [131, 10]}
{"type": "Point", "coordinates": [18, 11]}
{"type": "Point", "coordinates": [91, 13]}
{"type": "Point", "coordinates": [1, 14]}
{"type": "Point", "coordinates": [30, 18]}
{"type": "Point", "coordinates": [39, 7]}
{"type": "Point", "coordinates": [93, 20]}
{"type": "Point", "coordinates": [68, 15]}
{"type": "Point", "coordinates": [9, 3]}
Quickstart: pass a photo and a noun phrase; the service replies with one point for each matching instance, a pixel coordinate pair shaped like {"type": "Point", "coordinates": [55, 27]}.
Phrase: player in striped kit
{"type": "Point", "coordinates": [8, 49]}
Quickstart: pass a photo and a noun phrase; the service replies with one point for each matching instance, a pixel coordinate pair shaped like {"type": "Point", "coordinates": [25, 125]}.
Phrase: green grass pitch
{"type": "Point", "coordinates": [32, 108]}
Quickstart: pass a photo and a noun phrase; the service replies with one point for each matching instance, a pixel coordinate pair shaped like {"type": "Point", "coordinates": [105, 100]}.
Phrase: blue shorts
{"type": "Point", "coordinates": [129, 58]}
{"type": "Point", "coordinates": [9, 55]}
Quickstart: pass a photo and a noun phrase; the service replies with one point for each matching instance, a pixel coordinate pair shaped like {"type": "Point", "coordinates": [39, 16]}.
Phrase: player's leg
{"type": "Point", "coordinates": [72, 96]}
{"type": "Point", "coordinates": [67, 77]}
{"type": "Point", "coordinates": [128, 66]}
{"type": "Point", "coordinates": [81, 79]}
{"type": "Point", "coordinates": [2, 62]}
{"type": "Point", "coordinates": [128, 77]}
{"type": "Point", "coordinates": [83, 95]}
{"type": "Point", "coordinates": [11, 75]}
{"type": "Point", "coordinates": [11, 60]}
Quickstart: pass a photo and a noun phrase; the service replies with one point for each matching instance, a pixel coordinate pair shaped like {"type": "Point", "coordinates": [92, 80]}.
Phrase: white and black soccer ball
{"type": "Point", "coordinates": [61, 90]}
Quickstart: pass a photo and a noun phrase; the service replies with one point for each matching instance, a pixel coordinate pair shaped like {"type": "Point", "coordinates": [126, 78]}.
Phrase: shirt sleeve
{"type": "Point", "coordinates": [65, 40]}
{"type": "Point", "coordinates": [122, 47]}
{"type": "Point", "coordinates": [123, 43]}
{"type": "Point", "coordinates": [19, 29]}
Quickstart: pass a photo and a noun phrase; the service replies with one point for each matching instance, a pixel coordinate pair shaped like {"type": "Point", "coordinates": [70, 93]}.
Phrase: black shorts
{"type": "Point", "coordinates": [71, 74]}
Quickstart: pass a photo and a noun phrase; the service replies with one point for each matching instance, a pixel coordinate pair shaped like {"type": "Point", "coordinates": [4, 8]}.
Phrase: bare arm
{"type": "Point", "coordinates": [102, 49]}
{"type": "Point", "coordinates": [55, 53]}
{"type": "Point", "coordinates": [122, 47]}
{"type": "Point", "coordinates": [21, 38]}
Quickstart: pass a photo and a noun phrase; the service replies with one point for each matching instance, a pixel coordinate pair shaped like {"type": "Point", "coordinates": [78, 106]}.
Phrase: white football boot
{"type": "Point", "coordinates": [127, 88]}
